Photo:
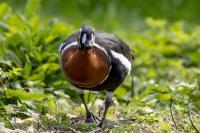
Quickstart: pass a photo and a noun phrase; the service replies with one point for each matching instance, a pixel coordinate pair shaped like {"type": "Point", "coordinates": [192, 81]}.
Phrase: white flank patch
{"type": "Point", "coordinates": [124, 61]}
{"type": "Point", "coordinates": [67, 46]}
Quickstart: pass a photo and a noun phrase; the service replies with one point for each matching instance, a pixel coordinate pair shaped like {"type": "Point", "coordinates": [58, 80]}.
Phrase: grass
{"type": "Point", "coordinates": [35, 96]}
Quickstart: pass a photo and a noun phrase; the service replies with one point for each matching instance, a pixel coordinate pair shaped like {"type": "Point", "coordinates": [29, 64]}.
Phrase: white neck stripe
{"type": "Point", "coordinates": [101, 48]}
{"type": "Point", "coordinates": [67, 46]}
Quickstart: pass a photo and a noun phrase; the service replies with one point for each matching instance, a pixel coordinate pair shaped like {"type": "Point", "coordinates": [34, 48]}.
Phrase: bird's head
{"type": "Point", "coordinates": [86, 37]}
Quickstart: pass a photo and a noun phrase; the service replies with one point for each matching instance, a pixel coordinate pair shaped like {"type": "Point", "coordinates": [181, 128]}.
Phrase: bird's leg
{"type": "Point", "coordinates": [107, 104]}
{"type": "Point", "coordinates": [90, 117]}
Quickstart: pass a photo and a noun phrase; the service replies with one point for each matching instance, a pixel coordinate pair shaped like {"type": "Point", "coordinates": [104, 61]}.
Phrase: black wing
{"type": "Point", "coordinates": [112, 42]}
{"type": "Point", "coordinates": [72, 38]}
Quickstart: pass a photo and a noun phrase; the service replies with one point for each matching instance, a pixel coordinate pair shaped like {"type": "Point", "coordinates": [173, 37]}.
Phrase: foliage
{"type": "Point", "coordinates": [35, 95]}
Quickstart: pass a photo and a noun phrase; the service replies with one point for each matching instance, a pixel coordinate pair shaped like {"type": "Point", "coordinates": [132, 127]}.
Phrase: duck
{"type": "Point", "coordinates": [95, 60]}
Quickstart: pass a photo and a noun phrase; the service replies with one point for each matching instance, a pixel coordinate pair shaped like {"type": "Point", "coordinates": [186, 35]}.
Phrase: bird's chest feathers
{"type": "Point", "coordinates": [85, 68]}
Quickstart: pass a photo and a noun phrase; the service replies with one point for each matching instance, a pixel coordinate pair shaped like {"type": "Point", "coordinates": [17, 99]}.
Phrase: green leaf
{"type": "Point", "coordinates": [14, 39]}
{"type": "Point", "coordinates": [51, 105]}
{"type": "Point", "coordinates": [165, 97]}
{"type": "Point", "coordinates": [120, 92]}
{"type": "Point", "coordinates": [32, 7]}
{"type": "Point", "coordinates": [27, 69]}
{"type": "Point", "coordinates": [3, 8]}
{"type": "Point", "coordinates": [23, 95]}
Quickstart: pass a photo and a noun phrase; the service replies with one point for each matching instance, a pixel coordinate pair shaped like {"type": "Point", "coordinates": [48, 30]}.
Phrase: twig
{"type": "Point", "coordinates": [13, 127]}
{"type": "Point", "coordinates": [127, 120]}
{"type": "Point", "coordinates": [88, 100]}
{"type": "Point", "coordinates": [95, 117]}
{"type": "Point", "coordinates": [132, 78]}
{"type": "Point", "coordinates": [132, 84]}
{"type": "Point", "coordinates": [73, 130]}
{"type": "Point", "coordinates": [99, 113]}
{"type": "Point", "coordinates": [170, 107]}
{"type": "Point", "coordinates": [96, 130]}
{"type": "Point", "coordinates": [39, 122]}
{"type": "Point", "coordinates": [93, 102]}
{"type": "Point", "coordinates": [189, 116]}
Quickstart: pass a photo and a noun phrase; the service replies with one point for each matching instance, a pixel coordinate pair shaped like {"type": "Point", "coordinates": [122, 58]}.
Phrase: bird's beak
{"type": "Point", "coordinates": [88, 45]}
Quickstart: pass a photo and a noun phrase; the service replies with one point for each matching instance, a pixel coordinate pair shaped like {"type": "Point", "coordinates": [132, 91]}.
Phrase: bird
{"type": "Point", "coordinates": [95, 60]}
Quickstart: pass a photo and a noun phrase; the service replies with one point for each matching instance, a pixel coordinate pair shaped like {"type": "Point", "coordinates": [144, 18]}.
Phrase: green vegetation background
{"type": "Point", "coordinates": [165, 37]}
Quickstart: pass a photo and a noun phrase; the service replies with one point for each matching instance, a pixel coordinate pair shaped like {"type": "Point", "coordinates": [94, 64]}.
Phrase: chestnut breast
{"type": "Point", "coordinates": [85, 68]}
